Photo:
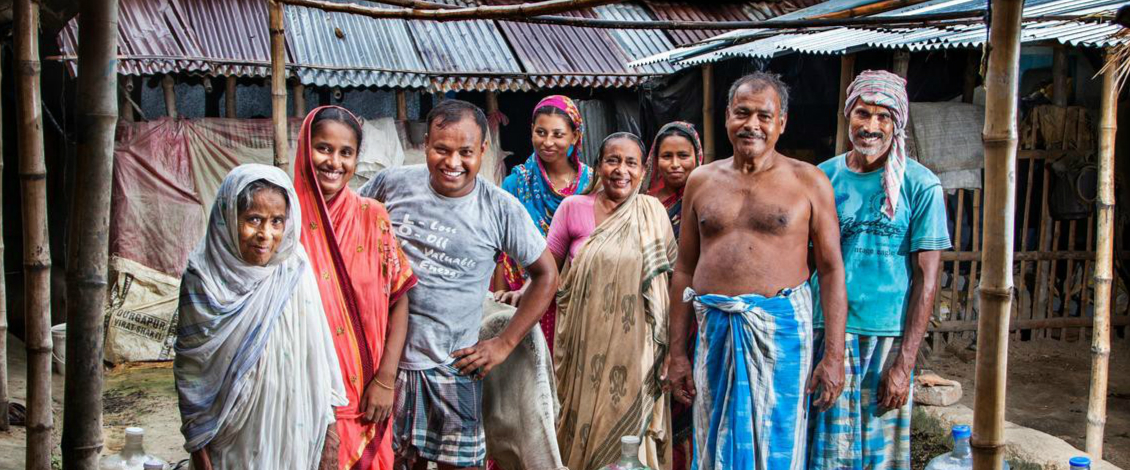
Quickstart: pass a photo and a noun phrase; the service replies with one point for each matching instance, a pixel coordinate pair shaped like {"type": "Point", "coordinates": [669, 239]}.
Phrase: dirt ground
{"type": "Point", "coordinates": [1048, 383]}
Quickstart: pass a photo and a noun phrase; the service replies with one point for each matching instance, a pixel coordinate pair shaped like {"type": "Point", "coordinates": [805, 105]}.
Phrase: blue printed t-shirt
{"type": "Point", "coordinates": [876, 249]}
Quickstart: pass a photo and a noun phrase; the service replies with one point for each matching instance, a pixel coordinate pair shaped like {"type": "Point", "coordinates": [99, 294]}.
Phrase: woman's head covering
{"type": "Point", "coordinates": [655, 181]}
{"type": "Point", "coordinates": [565, 104]}
{"type": "Point", "coordinates": [228, 307]}
{"type": "Point", "coordinates": [883, 88]}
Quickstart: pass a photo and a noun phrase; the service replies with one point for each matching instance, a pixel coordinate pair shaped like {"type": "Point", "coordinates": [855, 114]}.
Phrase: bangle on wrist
{"type": "Point", "coordinates": [382, 384]}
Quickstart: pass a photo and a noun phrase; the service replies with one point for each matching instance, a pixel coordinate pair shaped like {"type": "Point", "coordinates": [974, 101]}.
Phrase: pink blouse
{"type": "Point", "coordinates": [572, 224]}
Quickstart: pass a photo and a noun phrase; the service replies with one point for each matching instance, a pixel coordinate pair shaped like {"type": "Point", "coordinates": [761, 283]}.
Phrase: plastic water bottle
{"type": "Point", "coordinates": [1080, 463]}
{"type": "Point", "coordinates": [960, 458]}
{"type": "Point", "coordinates": [629, 455]}
{"type": "Point", "coordinates": [132, 456]}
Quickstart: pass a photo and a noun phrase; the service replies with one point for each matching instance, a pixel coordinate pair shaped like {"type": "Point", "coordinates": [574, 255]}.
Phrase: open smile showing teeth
{"type": "Point", "coordinates": [332, 175]}
{"type": "Point", "coordinates": [620, 183]}
{"type": "Point", "coordinates": [453, 174]}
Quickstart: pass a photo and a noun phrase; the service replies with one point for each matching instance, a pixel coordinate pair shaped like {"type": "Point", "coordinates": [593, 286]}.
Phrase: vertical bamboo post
{"type": "Point", "coordinates": [278, 81]}
{"type": "Point", "coordinates": [125, 86]}
{"type": "Point", "coordinates": [401, 106]}
{"type": "Point", "coordinates": [847, 74]}
{"type": "Point", "coordinates": [902, 63]}
{"type": "Point", "coordinates": [708, 112]}
{"type": "Point", "coordinates": [1059, 75]}
{"type": "Point", "coordinates": [168, 84]}
{"type": "Point", "coordinates": [972, 71]}
{"type": "Point", "coordinates": [1100, 338]}
{"type": "Point", "coordinates": [955, 299]}
{"type": "Point", "coordinates": [229, 96]}
{"type": "Point", "coordinates": [89, 233]}
{"type": "Point", "coordinates": [491, 102]}
{"type": "Point", "coordinates": [3, 298]}
{"type": "Point", "coordinates": [37, 252]}
{"type": "Point", "coordinates": [1000, 137]}
{"type": "Point", "coordinates": [299, 100]}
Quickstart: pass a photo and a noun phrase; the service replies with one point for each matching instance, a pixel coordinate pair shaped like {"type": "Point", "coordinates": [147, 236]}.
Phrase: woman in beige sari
{"type": "Point", "coordinates": [618, 249]}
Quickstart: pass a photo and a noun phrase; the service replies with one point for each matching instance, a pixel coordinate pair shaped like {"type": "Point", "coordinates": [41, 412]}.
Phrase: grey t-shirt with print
{"type": "Point", "coordinates": [452, 244]}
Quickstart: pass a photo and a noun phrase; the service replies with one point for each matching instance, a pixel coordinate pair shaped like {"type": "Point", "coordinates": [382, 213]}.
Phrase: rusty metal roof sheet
{"type": "Point", "coordinates": [719, 11]}
{"type": "Point", "coordinates": [471, 55]}
{"type": "Point", "coordinates": [637, 43]}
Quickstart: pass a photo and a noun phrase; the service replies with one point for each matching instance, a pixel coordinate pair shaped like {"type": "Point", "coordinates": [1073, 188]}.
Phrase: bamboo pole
{"type": "Point", "coordinates": [401, 106]}
{"type": "Point", "coordinates": [1100, 337]}
{"type": "Point", "coordinates": [1059, 75]}
{"type": "Point", "coordinates": [1065, 302]}
{"type": "Point", "coordinates": [37, 251]}
{"type": "Point", "coordinates": [871, 9]}
{"type": "Point", "coordinates": [278, 81]}
{"type": "Point", "coordinates": [972, 284]}
{"type": "Point", "coordinates": [97, 111]}
{"type": "Point", "coordinates": [125, 86]}
{"type": "Point", "coordinates": [1000, 137]}
{"type": "Point", "coordinates": [168, 84]}
{"type": "Point", "coordinates": [3, 295]}
{"type": "Point", "coordinates": [959, 224]}
{"type": "Point", "coordinates": [847, 74]}
{"type": "Point", "coordinates": [229, 96]}
{"type": "Point", "coordinates": [708, 113]}
{"type": "Point", "coordinates": [1019, 324]}
{"type": "Point", "coordinates": [299, 91]}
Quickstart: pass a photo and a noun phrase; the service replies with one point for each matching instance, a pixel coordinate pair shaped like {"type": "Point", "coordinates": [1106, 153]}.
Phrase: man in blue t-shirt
{"type": "Point", "coordinates": [892, 228]}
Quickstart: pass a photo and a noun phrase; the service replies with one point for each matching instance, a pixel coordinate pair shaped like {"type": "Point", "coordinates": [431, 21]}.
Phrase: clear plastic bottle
{"type": "Point", "coordinates": [629, 455]}
{"type": "Point", "coordinates": [154, 465]}
{"type": "Point", "coordinates": [960, 458]}
{"type": "Point", "coordinates": [1080, 463]}
{"type": "Point", "coordinates": [132, 456]}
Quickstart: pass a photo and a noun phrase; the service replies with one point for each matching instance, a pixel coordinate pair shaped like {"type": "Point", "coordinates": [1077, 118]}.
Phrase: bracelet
{"type": "Point", "coordinates": [382, 385]}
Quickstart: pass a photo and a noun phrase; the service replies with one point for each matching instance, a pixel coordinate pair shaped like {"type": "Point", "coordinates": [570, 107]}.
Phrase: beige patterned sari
{"type": "Point", "coordinates": [612, 339]}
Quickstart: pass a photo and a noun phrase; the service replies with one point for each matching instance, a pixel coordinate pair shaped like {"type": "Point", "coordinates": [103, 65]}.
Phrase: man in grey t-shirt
{"type": "Point", "coordinates": [452, 225]}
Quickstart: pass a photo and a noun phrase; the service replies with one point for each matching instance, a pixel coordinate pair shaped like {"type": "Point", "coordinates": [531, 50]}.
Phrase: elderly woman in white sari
{"type": "Point", "coordinates": [255, 364]}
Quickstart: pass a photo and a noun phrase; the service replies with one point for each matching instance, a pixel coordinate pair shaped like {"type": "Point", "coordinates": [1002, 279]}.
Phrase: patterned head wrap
{"type": "Point", "coordinates": [655, 181]}
{"type": "Point", "coordinates": [567, 105]}
{"type": "Point", "coordinates": [882, 88]}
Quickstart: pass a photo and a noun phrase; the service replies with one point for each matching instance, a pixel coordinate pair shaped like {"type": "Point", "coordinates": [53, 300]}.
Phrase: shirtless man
{"type": "Point", "coordinates": [744, 266]}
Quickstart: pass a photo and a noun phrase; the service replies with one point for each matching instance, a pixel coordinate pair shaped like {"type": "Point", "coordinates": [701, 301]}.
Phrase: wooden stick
{"type": "Point", "coordinates": [125, 86]}
{"type": "Point", "coordinates": [401, 106]}
{"type": "Point", "coordinates": [1065, 301]}
{"type": "Point", "coordinates": [1050, 313]}
{"type": "Point", "coordinates": [1100, 339]}
{"type": "Point", "coordinates": [1024, 226]}
{"type": "Point", "coordinates": [1043, 271]}
{"type": "Point", "coordinates": [972, 72]}
{"type": "Point", "coordinates": [299, 91]}
{"type": "Point", "coordinates": [902, 63]}
{"type": "Point", "coordinates": [168, 85]}
{"type": "Point", "coordinates": [1086, 294]}
{"type": "Point", "coordinates": [958, 224]}
{"type": "Point", "coordinates": [97, 111]}
{"type": "Point", "coordinates": [708, 113]}
{"type": "Point", "coordinates": [976, 246]}
{"type": "Point", "coordinates": [1059, 75]}
{"type": "Point", "coordinates": [37, 250]}
{"type": "Point", "coordinates": [3, 297]}
{"type": "Point", "coordinates": [494, 12]}
{"type": "Point", "coordinates": [278, 82]}
{"type": "Point", "coordinates": [1000, 137]}
{"type": "Point", "coordinates": [230, 96]}
{"type": "Point", "coordinates": [1030, 256]}
{"type": "Point", "coordinates": [847, 74]}
{"type": "Point", "coordinates": [1020, 324]}
{"type": "Point", "coordinates": [416, 4]}
{"type": "Point", "coordinates": [871, 9]}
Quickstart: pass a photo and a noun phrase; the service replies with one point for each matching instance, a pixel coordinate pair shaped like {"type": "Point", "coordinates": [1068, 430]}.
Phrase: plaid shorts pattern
{"type": "Point", "coordinates": [438, 418]}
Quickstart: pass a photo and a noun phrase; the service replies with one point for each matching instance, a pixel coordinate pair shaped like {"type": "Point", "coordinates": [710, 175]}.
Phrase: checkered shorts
{"type": "Point", "coordinates": [438, 418]}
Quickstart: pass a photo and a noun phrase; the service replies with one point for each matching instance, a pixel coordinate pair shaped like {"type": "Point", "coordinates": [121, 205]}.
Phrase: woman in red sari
{"type": "Point", "coordinates": [362, 277]}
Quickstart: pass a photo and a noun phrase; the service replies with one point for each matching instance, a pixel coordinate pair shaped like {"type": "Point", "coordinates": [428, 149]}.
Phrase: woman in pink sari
{"type": "Point", "coordinates": [362, 277]}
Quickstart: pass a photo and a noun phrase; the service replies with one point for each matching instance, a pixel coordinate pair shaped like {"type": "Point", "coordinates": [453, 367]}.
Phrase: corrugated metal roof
{"type": "Point", "coordinates": [718, 11]}
{"type": "Point", "coordinates": [343, 50]}
{"type": "Point", "coordinates": [847, 40]}
{"type": "Point", "coordinates": [240, 35]}
{"type": "Point", "coordinates": [637, 43]}
{"type": "Point", "coordinates": [462, 47]}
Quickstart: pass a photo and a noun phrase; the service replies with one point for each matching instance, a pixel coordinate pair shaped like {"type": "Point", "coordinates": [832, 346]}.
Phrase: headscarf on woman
{"type": "Point", "coordinates": [674, 202]}
{"type": "Point", "coordinates": [530, 184]}
{"type": "Point", "coordinates": [255, 369]}
{"type": "Point", "coordinates": [612, 339]}
{"type": "Point", "coordinates": [361, 273]}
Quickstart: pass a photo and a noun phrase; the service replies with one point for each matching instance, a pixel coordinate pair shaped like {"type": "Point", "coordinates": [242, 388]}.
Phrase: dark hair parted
{"type": "Point", "coordinates": [548, 110]}
{"type": "Point", "coordinates": [243, 201]}
{"type": "Point", "coordinates": [338, 115]}
{"type": "Point", "coordinates": [758, 81]}
{"type": "Point", "coordinates": [673, 131]}
{"type": "Point", "coordinates": [449, 112]}
{"type": "Point", "coordinates": [622, 135]}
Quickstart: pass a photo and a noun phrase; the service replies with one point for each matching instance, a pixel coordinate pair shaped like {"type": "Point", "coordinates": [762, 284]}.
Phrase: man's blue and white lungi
{"type": "Point", "coordinates": [751, 366]}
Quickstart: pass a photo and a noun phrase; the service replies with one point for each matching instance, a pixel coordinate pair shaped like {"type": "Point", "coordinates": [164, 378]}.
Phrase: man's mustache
{"type": "Point", "coordinates": [870, 135]}
{"type": "Point", "coordinates": [750, 135]}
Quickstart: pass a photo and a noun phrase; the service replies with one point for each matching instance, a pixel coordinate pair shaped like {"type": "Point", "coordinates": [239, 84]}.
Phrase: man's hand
{"type": "Point", "coordinates": [508, 297]}
{"type": "Point", "coordinates": [680, 381]}
{"type": "Point", "coordinates": [894, 387]}
{"type": "Point", "coordinates": [482, 357]}
{"type": "Point", "coordinates": [828, 377]}
{"type": "Point", "coordinates": [376, 402]}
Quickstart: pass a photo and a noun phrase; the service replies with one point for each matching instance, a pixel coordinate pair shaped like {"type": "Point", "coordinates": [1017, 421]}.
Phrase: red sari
{"type": "Point", "coordinates": [361, 273]}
